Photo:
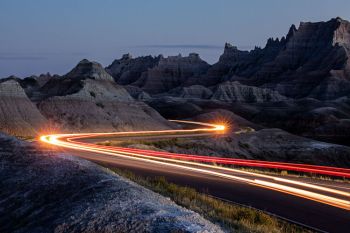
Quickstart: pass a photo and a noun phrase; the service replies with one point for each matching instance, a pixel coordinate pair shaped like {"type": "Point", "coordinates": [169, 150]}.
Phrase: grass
{"type": "Point", "coordinates": [26, 138]}
{"type": "Point", "coordinates": [160, 144]}
{"type": "Point", "coordinates": [232, 217]}
{"type": "Point", "coordinates": [293, 174]}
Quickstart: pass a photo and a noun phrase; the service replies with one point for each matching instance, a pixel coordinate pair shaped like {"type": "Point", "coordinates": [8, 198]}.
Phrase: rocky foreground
{"type": "Point", "coordinates": [41, 191]}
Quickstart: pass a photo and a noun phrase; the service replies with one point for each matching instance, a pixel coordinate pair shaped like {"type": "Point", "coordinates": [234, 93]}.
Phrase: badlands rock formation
{"type": "Point", "coordinates": [264, 144]}
{"type": "Point", "coordinates": [236, 92]}
{"type": "Point", "coordinates": [127, 70]}
{"type": "Point", "coordinates": [194, 91]}
{"type": "Point", "coordinates": [18, 115]}
{"type": "Point", "coordinates": [87, 99]}
{"type": "Point", "coordinates": [45, 192]}
{"type": "Point", "coordinates": [137, 93]}
{"type": "Point", "coordinates": [310, 65]}
{"type": "Point", "coordinates": [312, 61]}
{"type": "Point", "coordinates": [157, 75]}
{"type": "Point", "coordinates": [172, 72]}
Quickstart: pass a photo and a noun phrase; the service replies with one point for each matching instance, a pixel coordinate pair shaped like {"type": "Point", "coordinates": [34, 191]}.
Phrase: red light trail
{"type": "Point", "coordinates": [201, 164]}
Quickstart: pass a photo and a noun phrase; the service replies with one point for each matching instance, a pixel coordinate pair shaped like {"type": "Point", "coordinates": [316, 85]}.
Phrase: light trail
{"type": "Point", "coordinates": [186, 162]}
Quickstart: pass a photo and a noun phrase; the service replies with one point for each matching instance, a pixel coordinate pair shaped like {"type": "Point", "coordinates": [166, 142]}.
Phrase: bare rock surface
{"type": "Point", "coordinates": [266, 144]}
{"type": "Point", "coordinates": [194, 91]}
{"type": "Point", "coordinates": [128, 70]}
{"type": "Point", "coordinates": [88, 99]}
{"type": "Point", "coordinates": [44, 192]}
{"type": "Point", "coordinates": [172, 72]}
{"type": "Point", "coordinates": [311, 61]}
{"type": "Point", "coordinates": [236, 92]}
{"type": "Point", "coordinates": [101, 107]}
{"type": "Point", "coordinates": [89, 69]}
{"type": "Point", "coordinates": [18, 115]}
{"type": "Point", "coordinates": [137, 93]}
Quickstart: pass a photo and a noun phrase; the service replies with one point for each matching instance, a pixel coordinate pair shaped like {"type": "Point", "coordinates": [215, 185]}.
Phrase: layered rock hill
{"type": "Point", "coordinates": [85, 99]}
{"type": "Point", "coordinates": [159, 74]}
{"type": "Point", "coordinates": [228, 92]}
{"type": "Point", "coordinates": [88, 99]}
{"type": "Point", "coordinates": [41, 191]}
{"type": "Point", "coordinates": [311, 61]}
{"type": "Point", "coordinates": [18, 115]}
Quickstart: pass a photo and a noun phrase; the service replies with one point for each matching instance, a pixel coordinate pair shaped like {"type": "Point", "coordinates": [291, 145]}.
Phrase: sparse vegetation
{"type": "Point", "coordinates": [92, 94]}
{"type": "Point", "coordinates": [184, 143]}
{"type": "Point", "coordinates": [160, 144]}
{"type": "Point", "coordinates": [234, 218]}
{"type": "Point", "coordinates": [294, 174]}
{"type": "Point", "coordinates": [26, 138]}
{"type": "Point", "coordinates": [243, 145]}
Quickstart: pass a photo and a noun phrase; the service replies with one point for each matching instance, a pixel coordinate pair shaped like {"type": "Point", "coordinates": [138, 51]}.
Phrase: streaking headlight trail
{"type": "Point", "coordinates": [202, 164]}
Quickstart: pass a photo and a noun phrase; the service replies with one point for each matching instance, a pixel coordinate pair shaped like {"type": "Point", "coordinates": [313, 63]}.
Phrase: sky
{"type": "Point", "coordinates": [42, 36]}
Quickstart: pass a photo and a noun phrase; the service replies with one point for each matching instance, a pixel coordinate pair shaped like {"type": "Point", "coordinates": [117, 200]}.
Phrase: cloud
{"type": "Point", "coordinates": [22, 58]}
{"type": "Point", "coordinates": [183, 46]}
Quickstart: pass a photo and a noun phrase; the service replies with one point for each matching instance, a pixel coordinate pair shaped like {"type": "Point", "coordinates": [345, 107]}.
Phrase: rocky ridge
{"type": "Point", "coordinates": [94, 102]}
{"type": "Point", "coordinates": [85, 99]}
{"type": "Point", "coordinates": [311, 62]}
{"type": "Point", "coordinates": [41, 191]}
{"type": "Point", "coordinates": [159, 74]}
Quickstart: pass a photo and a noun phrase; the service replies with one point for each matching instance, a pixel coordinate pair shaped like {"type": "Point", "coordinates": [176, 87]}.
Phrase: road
{"type": "Point", "coordinates": [317, 204]}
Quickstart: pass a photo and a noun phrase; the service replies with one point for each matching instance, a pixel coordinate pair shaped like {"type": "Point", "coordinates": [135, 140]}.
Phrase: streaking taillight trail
{"type": "Point", "coordinates": [202, 164]}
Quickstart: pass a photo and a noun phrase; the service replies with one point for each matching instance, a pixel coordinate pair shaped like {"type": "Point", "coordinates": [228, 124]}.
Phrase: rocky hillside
{"type": "Point", "coordinates": [128, 70]}
{"type": "Point", "coordinates": [194, 91]}
{"type": "Point", "coordinates": [309, 65]}
{"type": "Point", "coordinates": [311, 61]}
{"type": "Point", "coordinates": [157, 75]}
{"type": "Point", "coordinates": [45, 192]}
{"type": "Point", "coordinates": [88, 99]}
{"type": "Point", "coordinates": [18, 115]}
{"type": "Point", "coordinates": [85, 99]}
{"type": "Point", "coordinates": [236, 92]}
{"type": "Point", "coordinates": [270, 144]}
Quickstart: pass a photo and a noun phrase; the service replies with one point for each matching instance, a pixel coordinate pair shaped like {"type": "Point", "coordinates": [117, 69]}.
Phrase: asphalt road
{"type": "Point", "coordinates": [320, 205]}
{"type": "Point", "coordinates": [303, 211]}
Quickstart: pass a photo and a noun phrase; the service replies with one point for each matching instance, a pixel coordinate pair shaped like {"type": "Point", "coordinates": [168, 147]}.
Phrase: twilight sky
{"type": "Point", "coordinates": [53, 35]}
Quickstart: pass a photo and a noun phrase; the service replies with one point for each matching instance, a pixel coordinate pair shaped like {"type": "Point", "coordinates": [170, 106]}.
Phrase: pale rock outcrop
{"type": "Point", "coordinates": [100, 108]}
{"type": "Point", "coordinates": [88, 99]}
{"type": "Point", "coordinates": [18, 115]}
{"type": "Point", "coordinates": [88, 69]}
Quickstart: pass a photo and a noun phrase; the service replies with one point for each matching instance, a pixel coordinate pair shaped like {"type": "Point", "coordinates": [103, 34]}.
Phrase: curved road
{"type": "Point", "coordinates": [321, 205]}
